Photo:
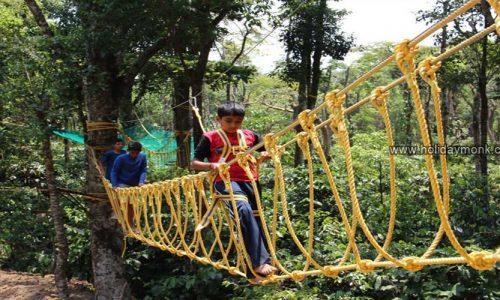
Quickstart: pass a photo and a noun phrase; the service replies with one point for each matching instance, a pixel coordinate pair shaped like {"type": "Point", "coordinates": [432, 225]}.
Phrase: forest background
{"type": "Point", "coordinates": [65, 63]}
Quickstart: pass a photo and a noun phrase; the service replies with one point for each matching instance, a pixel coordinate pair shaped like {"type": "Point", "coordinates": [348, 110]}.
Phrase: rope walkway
{"type": "Point", "coordinates": [166, 213]}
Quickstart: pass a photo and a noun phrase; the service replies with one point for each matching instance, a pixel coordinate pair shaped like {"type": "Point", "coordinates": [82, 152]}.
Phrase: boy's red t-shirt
{"type": "Point", "coordinates": [211, 146]}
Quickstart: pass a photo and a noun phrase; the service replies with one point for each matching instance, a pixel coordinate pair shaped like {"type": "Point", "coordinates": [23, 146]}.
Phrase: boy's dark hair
{"type": "Point", "coordinates": [134, 146]}
{"type": "Point", "coordinates": [118, 140]}
{"type": "Point", "coordinates": [230, 109]}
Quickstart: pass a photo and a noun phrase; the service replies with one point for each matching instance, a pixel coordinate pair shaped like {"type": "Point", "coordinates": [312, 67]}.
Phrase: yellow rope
{"type": "Point", "coordinates": [101, 125]}
{"type": "Point", "coordinates": [379, 100]}
{"type": "Point", "coordinates": [166, 214]}
{"type": "Point", "coordinates": [495, 4]}
{"type": "Point", "coordinates": [198, 116]}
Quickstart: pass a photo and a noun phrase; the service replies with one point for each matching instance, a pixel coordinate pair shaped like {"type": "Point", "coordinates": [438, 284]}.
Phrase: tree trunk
{"type": "Point", "coordinates": [483, 115]}
{"type": "Point", "coordinates": [476, 106]}
{"type": "Point", "coordinates": [298, 157]}
{"type": "Point", "coordinates": [82, 118]}
{"type": "Point", "coordinates": [482, 82]}
{"type": "Point", "coordinates": [315, 79]}
{"type": "Point", "coordinates": [66, 151]}
{"type": "Point", "coordinates": [122, 91]}
{"type": "Point", "coordinates": [327, 133]}
{"type": "Point", "coordinates": [491, 131]}
{"type": "Point", "coordinates": [196, 83]}
{"type": "Point", "coordinates": [318, 53]}
{"type": "Point", "coordinates": [106, 237]}
{"type": "Point", "coordinates": [197, 90]}
{"type": "Point", "coordinates": [408, 112]}
{"type": "Point", "coordinates": [228, 92]}
{"type": "Point", "coordinates": [183, 121]}
{"type": "Point", "coordinates": [445, 105]}
{"type": "Point", "coordinates": [61, 243]}
{"type": "Point", "coordinates": [304, 89]}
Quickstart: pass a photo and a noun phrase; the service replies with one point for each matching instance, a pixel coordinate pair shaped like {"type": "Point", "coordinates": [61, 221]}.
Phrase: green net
{"type": "Point", "coordinates": [159, 144]}
{"type": "Point", "coordinates": [70, 135]}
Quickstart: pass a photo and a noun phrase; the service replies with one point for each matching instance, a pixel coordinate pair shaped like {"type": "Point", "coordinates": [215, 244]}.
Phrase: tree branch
{"type": "Point", "coordinates": [39, 17]}
{"type": "Point", "coordinates": [457, 27]}
{"type": "Point", "coordinates": [277, 107]}
{"type": "Point", "coordinates": [145, 56]}
{"type": "Point", "coordinates": [245, 36]}
{"type": "Point", "coordinates": [219, 17]}
{"type": "Point", "coordinates": [143, 86]}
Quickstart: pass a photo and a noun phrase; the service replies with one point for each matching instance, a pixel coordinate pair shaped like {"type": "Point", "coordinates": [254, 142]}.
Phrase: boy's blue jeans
{"type": "Point", "coordinates": [251, 225]}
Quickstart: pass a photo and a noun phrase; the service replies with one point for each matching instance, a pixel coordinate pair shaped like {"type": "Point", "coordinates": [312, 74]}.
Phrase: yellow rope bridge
{"type": "Point", "coordinates": [166, 213]}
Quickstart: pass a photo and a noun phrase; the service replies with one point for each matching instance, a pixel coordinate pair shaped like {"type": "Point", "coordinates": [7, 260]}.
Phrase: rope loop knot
{"type": "Point", "coordinates": [218, 265]}
{"type": "Point", "coordinates": [405, 56]}
{"type": "Point", "coordinates": [482, 260]}
{"type": "Point", "coordinates": [223, 170]}
{"type": "Point", "coordinates": [411, 264]}
{"type": "Point", "coordinates": [335, 103]}
{"type": "Point", "coordinates": [186, 182]}
{"type": "Point", "coordinates": [198, 181]}
{"type": "Point", "coordinates": [330, 271]}
{"type": "Point", "coordinates": [269, 279]}
{"type": "Point", "coordinates": [242, 159]}
{"type": "Point", "coordinates": [175, 186]}
{"type": "Point", "coordinates": [297, 276]}
{"type": "Point", "coordinates": [303, 140]}
{"type": "Point", "coordinates": [427, 69]}
{"type": "Point", "coordinates": [271, 145]}
{"type": "Point", "coordinates": [365, 266]}
{"type": "Point", "coordinates": [379, 97]}
{"type": "Point", "coordinates": [306, 120]}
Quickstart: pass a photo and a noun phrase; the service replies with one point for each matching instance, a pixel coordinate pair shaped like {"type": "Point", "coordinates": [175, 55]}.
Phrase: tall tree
{"type": "Point", "coordinates": [312, 33]}
{"type": "Point", "coordinates": [29, 78]}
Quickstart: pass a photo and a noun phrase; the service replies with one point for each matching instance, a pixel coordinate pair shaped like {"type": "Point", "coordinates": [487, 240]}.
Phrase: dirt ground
{"type": "Point", "coordinates": [25, 286]}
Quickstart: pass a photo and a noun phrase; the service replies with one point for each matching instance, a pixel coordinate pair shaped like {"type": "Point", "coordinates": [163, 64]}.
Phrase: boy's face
{"type": "Point", "coordinates": [230, 123]}
{"type": "Point", "coordinates": [133, 153]}
{"type": "Point", "coordinates": [118, 146]}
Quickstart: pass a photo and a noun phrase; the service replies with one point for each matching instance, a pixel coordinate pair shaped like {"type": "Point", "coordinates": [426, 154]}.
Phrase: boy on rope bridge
{"type": "Point", "coordinates": [108, 158]}
{"type": "Point", "coordinates": [129, 170]}
{"type": "Point", "coordinates": [220, 146]}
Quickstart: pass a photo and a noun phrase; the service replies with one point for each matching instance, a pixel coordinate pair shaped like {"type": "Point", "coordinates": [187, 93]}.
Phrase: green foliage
{"type": "Point", "coordinates": [221, 73]}
{"type": "Point", "coordinates": [158, 275]}
{"type": "Point", "coordinates": [24, 243]}
{"type": "Point", "coordinates": [27, 241]}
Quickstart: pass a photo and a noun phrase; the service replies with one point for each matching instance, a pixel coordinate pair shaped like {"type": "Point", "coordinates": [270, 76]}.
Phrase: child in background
{"type": "Point", "coordinates": [108, 158]}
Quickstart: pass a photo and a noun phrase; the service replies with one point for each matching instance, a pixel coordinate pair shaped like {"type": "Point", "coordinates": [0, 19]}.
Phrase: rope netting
{"type": "Point", "coordinates": [167, 213]}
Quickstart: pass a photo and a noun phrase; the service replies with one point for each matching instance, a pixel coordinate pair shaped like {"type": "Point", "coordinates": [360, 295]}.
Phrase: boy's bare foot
{"type": "Point", "coordinates": [265, 270]}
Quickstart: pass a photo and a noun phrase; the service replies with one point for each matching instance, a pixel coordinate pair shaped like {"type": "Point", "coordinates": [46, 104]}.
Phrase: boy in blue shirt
{"type": "Point", "coordinates": [130, 170]}
{"type": "Point", "coordinates": [108, 158]}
